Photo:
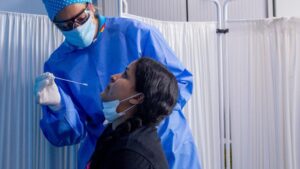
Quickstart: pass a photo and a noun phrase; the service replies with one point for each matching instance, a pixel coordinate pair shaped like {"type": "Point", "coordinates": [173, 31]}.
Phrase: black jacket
{"type": "Point", "coordinates": [130, 146]}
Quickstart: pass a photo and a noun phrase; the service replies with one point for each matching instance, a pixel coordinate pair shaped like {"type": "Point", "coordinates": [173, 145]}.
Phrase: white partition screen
{"type": "Point", "coordinates": [264, 76]}
{"type": "Point", "coordinates": [26, 41]}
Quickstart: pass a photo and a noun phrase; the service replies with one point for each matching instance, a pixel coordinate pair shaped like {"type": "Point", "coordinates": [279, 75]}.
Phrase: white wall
{"type": "Point", "coordinates": [23, 6]}
{"type": "Point", "coordinates": [172, 10]}
{"type": "Point", "coordinates": [287, 8]}
{"type": "Point", "coordinates": [198, 10]}
{"type": "Point", "coordinates": [205, 10]}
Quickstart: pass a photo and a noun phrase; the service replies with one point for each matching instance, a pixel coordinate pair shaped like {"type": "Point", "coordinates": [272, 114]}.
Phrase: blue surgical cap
{"type": "Point", "coordinates": [55, 6]}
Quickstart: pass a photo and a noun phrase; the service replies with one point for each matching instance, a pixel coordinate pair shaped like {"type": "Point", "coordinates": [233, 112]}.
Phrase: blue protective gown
{"type": "Point", "coordinates": [80, 118]}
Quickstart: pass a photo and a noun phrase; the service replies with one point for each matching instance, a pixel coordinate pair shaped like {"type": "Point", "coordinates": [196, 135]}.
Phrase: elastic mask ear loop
{"type": "Point", "coordinates": [129, 108]}
{"type": "Point", "coordinates": [130, 97]}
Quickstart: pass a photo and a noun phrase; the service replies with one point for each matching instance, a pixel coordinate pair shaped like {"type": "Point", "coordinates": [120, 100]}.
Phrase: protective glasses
{"type": "Point", "coordinates": [75, 21]}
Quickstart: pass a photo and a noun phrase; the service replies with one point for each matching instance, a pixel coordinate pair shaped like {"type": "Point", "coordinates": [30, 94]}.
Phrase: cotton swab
{"type": "Point", "coordinates": [71, 81]}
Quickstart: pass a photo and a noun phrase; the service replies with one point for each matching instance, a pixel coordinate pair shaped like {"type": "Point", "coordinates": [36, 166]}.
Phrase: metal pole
{"type": "Point", "coordinates": [119, 7]}
{"type": "Point", "coordinates": [221, 93]}
{"type": "Point", "coordinates": [225, 135]}
{"type": "Point", "coordinates": [226, 91]}
{"type": "Point", "coordinates": [125, 6]}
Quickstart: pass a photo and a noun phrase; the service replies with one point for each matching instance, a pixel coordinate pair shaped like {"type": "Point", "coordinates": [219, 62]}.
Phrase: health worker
{"type": "Point", "coordinates": [95, 48]}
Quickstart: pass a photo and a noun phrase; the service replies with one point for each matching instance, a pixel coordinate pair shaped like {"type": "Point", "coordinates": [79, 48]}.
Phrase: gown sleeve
{"type": "Point", "coordinates": [64, 126]}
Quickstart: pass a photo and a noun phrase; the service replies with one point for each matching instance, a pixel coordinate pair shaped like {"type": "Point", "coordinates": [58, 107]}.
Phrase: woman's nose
{"type": "Point", "coordinates": [115, 77]}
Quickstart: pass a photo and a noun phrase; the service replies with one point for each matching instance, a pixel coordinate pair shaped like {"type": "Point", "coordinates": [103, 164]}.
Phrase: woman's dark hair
{"type": "Point", "coordinates": [160, 90]}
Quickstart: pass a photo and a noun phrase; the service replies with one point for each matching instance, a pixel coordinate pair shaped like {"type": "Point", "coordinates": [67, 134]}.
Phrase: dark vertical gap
{"type": "Point", "coordinates": [187, 10]}
{"type": "Point", "coordinates": [267, 9]}
{"type": "Point", "coordinates": [271, 6]}
{"type": "Point", "coordinates": [274, 8]}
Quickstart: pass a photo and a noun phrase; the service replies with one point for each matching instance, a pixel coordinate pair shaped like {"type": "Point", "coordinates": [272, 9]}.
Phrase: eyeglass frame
{"type": "Point", "coordinates": [74, 20]}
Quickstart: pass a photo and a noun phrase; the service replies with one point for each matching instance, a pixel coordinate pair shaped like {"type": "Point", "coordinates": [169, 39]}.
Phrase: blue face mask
{"type": "Point", "coordinates": [81, 36]}
{"type": "Point", "coordinates": [110, 109]}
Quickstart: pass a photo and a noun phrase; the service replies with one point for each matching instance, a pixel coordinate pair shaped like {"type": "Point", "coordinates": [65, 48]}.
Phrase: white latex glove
{"type": "Point", "coordinates": [46, 91]}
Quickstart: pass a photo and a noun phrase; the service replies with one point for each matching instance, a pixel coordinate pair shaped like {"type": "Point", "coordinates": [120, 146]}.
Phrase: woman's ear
{"type": "Point", "coordinates": [137, 100]}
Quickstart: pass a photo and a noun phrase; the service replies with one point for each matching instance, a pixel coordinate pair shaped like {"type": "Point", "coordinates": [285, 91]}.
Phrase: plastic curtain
{"type": "Point", "coordinates": [195, 43]}
{"type": "Point", "coordinates": [26, 41]}
{"type": "Point", "coordinates": [264, 78]}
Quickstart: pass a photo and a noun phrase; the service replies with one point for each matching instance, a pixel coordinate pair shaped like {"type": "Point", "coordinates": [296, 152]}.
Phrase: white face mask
{"type": "Point", "coordinates": [110, 109]}
{"type": "Point", "coordinates": [83, 35]}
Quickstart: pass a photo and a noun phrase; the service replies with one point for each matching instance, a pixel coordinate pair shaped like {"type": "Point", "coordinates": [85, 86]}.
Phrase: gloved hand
{"type": "Point", "coordinates": [46, 91]}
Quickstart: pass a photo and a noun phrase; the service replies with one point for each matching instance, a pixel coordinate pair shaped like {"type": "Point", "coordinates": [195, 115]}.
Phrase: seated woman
{"type": "Point", "coordinates": [133, 104]}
